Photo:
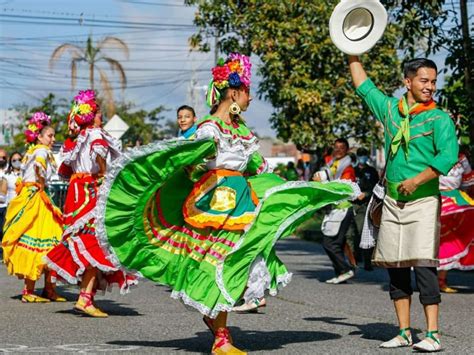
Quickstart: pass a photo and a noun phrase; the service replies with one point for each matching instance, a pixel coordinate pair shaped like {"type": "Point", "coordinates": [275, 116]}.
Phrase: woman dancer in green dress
{"type": "Point", "coordinates": [202, 216]}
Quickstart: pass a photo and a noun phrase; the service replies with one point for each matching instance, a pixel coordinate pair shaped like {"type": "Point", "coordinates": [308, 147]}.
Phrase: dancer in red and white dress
{"type": "Point", "coordinates": [456, 249]}
{"type": "Point", "coordinates": [80, 258]}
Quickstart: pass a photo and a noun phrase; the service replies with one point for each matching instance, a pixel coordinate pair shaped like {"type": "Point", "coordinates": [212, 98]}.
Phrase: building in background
{"type": "Point", "coordinates": [9, 123]}
{"type": "Point", "coordinates": [276, 152]}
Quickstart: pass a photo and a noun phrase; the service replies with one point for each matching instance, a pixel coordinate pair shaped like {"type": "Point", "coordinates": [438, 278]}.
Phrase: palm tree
{"type": "Point", "coordinates": [92, 55]}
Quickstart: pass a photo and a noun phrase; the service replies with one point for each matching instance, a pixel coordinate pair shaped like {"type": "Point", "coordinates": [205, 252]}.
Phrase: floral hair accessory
{"type": "Point", "coordinates": [84, 108]}
{"type": "Point", "coordinates": [34, 126]}
{"type": "Point", "coordinates": [233, 72]}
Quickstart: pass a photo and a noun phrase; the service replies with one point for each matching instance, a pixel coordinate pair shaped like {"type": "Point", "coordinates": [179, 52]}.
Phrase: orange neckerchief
{"type": "Point", "coordinates": [402, 137]}
{"type": "Point", "coordinates": [417, 108]}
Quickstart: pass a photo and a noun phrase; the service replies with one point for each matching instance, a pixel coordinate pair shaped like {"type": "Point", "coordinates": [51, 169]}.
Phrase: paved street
{"type": "Point", "coordinates": [307, 317]}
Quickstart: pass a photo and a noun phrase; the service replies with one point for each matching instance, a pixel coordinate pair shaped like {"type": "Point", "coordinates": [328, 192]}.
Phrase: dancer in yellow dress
{"type": "Point", "coordinates": [33, 224]}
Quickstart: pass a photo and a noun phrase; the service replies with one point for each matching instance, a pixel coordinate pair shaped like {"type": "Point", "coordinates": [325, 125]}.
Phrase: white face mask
{"type": "Point", "coordinates": [16, 164]}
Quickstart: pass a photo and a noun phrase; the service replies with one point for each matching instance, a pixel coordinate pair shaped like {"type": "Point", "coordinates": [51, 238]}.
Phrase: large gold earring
{"type": "Point", "coordinates": [234, 109]}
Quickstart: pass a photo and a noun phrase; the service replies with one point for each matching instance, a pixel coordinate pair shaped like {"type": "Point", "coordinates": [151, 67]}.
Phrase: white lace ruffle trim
{"type": "Point", "coordinates": [282, 281]}
{"type": "Point", "coordinates": [453, 258]}
{"type": "Point", "coordinates": [230, 138]}
{"type": "Point", "coordinates": [80, 223]}
{"type": "Point", "coordinates": [456, 266]}
{"type": "Point", "coordinates": [225, 142]}
{"type": "Point", "coordinates": [212, 313]}
{"type": "Point", "coordinates": [258, 281]}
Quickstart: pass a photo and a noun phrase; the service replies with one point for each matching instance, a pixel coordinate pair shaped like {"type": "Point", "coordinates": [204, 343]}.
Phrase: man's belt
{"type": "Point", "coordinates": [431, 188]}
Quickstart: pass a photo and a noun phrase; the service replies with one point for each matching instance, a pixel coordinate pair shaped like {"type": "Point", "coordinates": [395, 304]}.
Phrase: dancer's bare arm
{"type": "Point", "coordinates": [357, 71]}
{"type": "Point", "coordinates": [102, 166]}
{"type": "Point", "coordinates": [39, 178]}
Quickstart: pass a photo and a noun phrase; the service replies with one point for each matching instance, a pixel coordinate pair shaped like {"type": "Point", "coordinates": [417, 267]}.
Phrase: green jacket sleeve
{"type": "Point", "coordinates": [446, 145]}
{"type": "Point", "coordinates": [374, 98]}
{"type": "Point", "coordinates": [256, 165]}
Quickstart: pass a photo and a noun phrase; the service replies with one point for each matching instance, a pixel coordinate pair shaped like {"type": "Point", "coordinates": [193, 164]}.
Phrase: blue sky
{"type": "Point", "coordinates": [159, 70]}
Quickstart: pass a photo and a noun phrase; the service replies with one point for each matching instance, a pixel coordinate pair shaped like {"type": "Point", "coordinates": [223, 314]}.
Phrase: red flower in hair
{"type": "Point", "coordinates": [220, 73]}
{"type": "Point", "coordinates": [30, 136]}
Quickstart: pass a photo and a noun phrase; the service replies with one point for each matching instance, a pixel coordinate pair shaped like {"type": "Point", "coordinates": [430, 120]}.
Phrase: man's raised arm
{"type": "Point", "coordinates": [357, 71]}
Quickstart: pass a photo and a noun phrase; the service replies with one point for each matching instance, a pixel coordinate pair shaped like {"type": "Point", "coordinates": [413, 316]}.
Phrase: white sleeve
{"type": "Point", "coordinates": [41, 161]}
{"type": "Point", "coordinates": [466, 166]}
{"type": "Point", "coordinates": [99, 146]}
{"type": "Point", "coordinates": [207, 131]}
{"type": "Point", "coordinates": [325, 175]}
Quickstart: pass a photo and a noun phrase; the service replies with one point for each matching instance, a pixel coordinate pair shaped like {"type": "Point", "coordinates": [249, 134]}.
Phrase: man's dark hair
{"type": "Point", "coordinates": [343, 141]}
{"type": "Point", "coordinates": [186, 107]}
{"type": "Point", "coordinates": [410, 67]}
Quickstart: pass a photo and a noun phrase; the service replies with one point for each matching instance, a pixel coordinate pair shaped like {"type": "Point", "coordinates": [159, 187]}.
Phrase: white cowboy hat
{"type": "Point", "coordinates": [356, 25]}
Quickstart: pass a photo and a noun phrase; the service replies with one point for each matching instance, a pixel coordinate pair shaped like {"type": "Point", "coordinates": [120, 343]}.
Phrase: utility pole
{"type": "Point", "coordinates": [195, 93]}
{"type": "Point", "coordinates": [468, 70]}
{"type": "Point", "coordinates": [216, 48]}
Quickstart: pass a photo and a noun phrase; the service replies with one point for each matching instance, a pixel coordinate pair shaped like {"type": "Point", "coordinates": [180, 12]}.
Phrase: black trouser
{"type": "Point", "coordinates": [334, 246]}
{"type": "Point", "coordinates": [426, 280]}
{"type": "Point", "coordinates": [3, 211]}
{"type": "Point", "coordinates": [360, 209]}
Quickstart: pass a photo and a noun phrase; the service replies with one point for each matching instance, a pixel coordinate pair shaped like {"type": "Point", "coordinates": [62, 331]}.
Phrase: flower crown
{"type": "Point", "coordinates": [233, 72]}
{"type": "Point", "coordinates": [84, 108]}
{"type": "Point", "coordinates": [35, 124]}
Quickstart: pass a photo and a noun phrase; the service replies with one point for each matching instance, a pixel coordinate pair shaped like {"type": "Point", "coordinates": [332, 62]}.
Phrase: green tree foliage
{"type": "Point", "coordinates": [422, 24]}
{"type": "Point", "coordinates": [145, 126]}
{"type": "Point", "coordinates": [305, 77]}
{"type": "Point", "coordinates": [455, 99]}
{"type": "Point", "coordinates": [439, 25]}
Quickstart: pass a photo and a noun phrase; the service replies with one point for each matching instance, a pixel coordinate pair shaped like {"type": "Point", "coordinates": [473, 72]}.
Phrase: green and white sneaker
{"type": "Point", "coordinates": [430, 344]}
{"type": "Point", "coordinates": [403, 339]}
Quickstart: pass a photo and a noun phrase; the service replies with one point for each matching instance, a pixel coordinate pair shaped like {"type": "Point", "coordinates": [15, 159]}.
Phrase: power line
{"type": "Point", "coordinates": [31, 22]}
{"type": "Point", "coordinates": [94, 23]}
{"type": "Point", "coordinates": [13, 61]}
{"type": "Point", "coordinates": [72, 14]}
{"type": "Point", "coordinates": [140, 2]}
{"type": "Point", "coordinates": [47, 43]}
{"type": "Point", "coordinates": [81, 35]}
{"type": "Point", "coordinates": [162, 83]}
{"type": "Point", "coordinates": [54, 77]}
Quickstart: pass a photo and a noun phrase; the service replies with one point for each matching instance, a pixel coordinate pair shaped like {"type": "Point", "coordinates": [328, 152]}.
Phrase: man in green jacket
{"type": "Point", "coordinates": [420, 145]}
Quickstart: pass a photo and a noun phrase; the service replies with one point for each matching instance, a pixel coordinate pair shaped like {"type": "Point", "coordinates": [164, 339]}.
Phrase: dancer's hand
{"type": "Point", "coordinates": [408, 186]}
{"type": "Point", "coordinates": [316, 177]}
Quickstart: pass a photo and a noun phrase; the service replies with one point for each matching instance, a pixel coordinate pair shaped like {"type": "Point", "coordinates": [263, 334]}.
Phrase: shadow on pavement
{"type": "Point", "coordinates": [70, 296]}
{"type": "Point", "coordinates": [295, 246]}
{"type": "Point", "coordinates": [463, 281]}
{"type": "Point", "coordinates": [372, 331]}
{"type": "Point", "coordinates": [116, 309]}
{"type": "Point", "coordinates": [246, 340]}
{"type": "Point", "coordinates": [464, 290]}
{"type": "Point", "coordinates": [377, 277]}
